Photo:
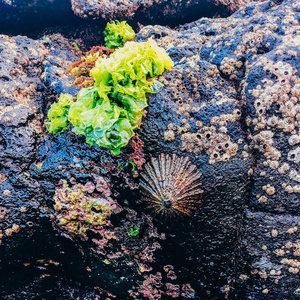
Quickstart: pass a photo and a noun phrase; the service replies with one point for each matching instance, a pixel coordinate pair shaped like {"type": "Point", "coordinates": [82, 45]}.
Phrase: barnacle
{"type": "Point", "coordinates": [171, 185]}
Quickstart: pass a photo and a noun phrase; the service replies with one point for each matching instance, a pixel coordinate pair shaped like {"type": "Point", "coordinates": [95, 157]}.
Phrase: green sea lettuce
{"type": "Point", "coordinates": [58, 114]}
{"type": "Point", "coordinates": [108, 112]}
{"type": "Point", "coordinates": [127, 74]}
{"type": "Point", "coordinates": [102, 122]}
{"type": "Point", "coordinates": [117, 34]}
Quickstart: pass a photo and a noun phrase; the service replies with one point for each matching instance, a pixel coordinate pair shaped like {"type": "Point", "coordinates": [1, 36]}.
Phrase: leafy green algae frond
{"type": "Point", "coordinates": [58, 113]}
{"type": "Point", "coordinates": [108, 112]}
{"type": "Point", "coordinates": [117, 34]}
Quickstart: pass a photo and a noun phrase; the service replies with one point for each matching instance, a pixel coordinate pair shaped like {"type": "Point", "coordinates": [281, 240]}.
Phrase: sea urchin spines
{"type": "Point", "coordinates": [171, 185]}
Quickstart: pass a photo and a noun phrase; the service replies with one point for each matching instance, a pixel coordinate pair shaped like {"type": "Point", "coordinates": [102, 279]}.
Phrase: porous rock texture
{"type": "Point", "coordinates": [234, 5]}
{"type": "Point", "coordinates": [25, 235]}
{"type": "Point", "coordinates": [230, 104]}
{"type": "Point", "coordinates": [33, 163]}
{"type": "Point", "coordinates": [248, 62]}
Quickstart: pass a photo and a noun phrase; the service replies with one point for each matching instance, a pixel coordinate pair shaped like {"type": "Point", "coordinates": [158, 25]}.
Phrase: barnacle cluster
{"type": "Point", "coordinates": [217, 145]}
{"type": "Point", "coordinates": [284, 94]}
{"type": "Point", "coordinates": [171, 185]}
{"type": "Point", "coordinates": [196, 136]}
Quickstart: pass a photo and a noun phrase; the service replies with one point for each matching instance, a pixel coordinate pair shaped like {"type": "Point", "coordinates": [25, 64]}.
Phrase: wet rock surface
{"type": "Point", "coordinates": [21, 124]}
{"type": "Point", "coordinates": [260, 61]}
{"type": "Point", "coordinates": [26, 235]}
{"type": "Point", "coordinates": [32, 165]}
{"type": "Point", "coordinates": [273, 244]}
{"type": "Point", "coordinates": [189, 119]}
{"type": "Point", "coordinates": [230, 104]}
{"type": "Point", "coordinates": [52, 287]}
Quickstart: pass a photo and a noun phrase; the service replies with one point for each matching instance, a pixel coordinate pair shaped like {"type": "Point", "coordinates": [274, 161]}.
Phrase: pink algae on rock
{"type": "Point", "coordinates": [84, 213]}
{"type": "Point", "coordinates": [155, 286]}
{"type": "Point", "coordinates": [77, 210]}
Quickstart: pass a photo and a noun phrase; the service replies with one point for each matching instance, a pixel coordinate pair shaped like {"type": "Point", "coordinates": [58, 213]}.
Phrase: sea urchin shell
{"type": "Point", "coordinates": [171, 185]}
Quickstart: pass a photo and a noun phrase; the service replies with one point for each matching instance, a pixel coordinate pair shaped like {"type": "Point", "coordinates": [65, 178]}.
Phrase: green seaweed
{"type": "Point", "coordinates": [127, 166]}
{"type": "Point", "coordinates": [108, 112]}
{"type": "Point", "coordinates": [75, 46]}
{"type": "Point", "coordinates": [58, 114]}
{"type": "Point", "coordinates": [117, 34]}
{"type": "Point", "coordinates": [134, 231]}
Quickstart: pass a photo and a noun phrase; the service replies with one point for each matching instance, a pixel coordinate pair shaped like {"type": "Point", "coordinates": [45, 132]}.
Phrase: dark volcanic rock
{"type": "Point", "coordinates": [52, 287]}
{"type": "Point", "coordinates": [21, 121]}
{"type": "Point", "coordinates": [159, 11]}
{"type": "Point", "coordinates": [197, 114]}
{"type": "Point", "coordinates": [18, 16]}
{"type": "Point", "coordinates": [33, 162]}
{"type": "Point", "coordinates": [230, 104]}
{"type": "Point", "coordinates": [273, 243]}
{"type": "Point", "coordinates": [26, 235]}
{"type": "Point", "coordinates": [255, 51]}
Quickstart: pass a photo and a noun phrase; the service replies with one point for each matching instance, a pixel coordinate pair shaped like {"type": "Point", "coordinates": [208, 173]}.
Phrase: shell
{"type": "Point", "coordinates": [171, 185]}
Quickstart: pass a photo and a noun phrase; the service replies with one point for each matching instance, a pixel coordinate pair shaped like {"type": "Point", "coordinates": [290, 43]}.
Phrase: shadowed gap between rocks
{"type": "Point", "coordinates": [41, 21]}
